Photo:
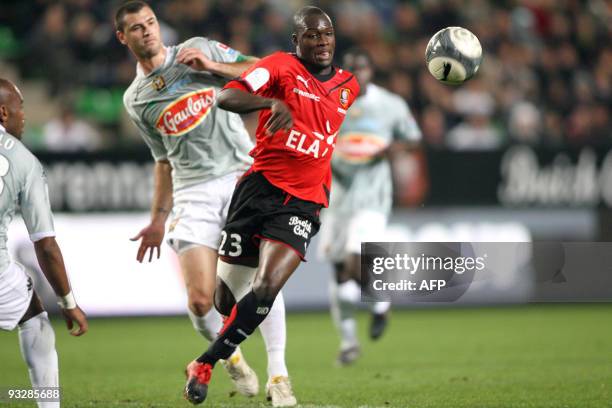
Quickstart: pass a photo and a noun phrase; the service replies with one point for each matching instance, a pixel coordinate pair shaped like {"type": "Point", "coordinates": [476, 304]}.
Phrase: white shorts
{"type": "Point", "coordinates": [342, 234]}
{"type": "Point", "coordinates": [199, 213]}
{"type": "Point", "coordinates": [16, 289]}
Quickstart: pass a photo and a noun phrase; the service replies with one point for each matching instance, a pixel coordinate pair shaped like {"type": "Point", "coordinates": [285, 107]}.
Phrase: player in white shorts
{"type": "Point", "coordinates": [361, 197]}
{"type": "Point", "coordinates": [200, 152]}
{"type": "Point", "coordinates": [23, 185]}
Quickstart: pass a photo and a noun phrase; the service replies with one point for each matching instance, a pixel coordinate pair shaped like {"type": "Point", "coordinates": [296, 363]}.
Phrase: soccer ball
{"type": "Point", "coordinates": [453, 55]}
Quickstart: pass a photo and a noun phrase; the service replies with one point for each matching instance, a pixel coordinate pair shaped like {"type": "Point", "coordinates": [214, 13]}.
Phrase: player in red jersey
{"type": "Point", "coordinates": [274, 212]}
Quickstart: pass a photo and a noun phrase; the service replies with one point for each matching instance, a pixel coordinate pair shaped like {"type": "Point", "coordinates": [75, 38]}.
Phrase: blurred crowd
{"type": "Point", "coordinates": [546, 79]}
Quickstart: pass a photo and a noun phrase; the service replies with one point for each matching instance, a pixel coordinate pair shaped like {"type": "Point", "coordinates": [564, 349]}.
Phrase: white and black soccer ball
{"type": "Point", "coordinates": [453, 55]}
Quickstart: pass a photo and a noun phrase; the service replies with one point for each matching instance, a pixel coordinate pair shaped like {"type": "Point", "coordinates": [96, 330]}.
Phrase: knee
{"type": "Point", "coordinates": [224, 299]}
{"type": "Point", "coordinates": [37, 340]}
{"type": "Point", "coordinates": [266, 289]}
{"type": "Point", "coordinates": [341, 273]}
{"type": "Point", "coordinates": [200, 303]}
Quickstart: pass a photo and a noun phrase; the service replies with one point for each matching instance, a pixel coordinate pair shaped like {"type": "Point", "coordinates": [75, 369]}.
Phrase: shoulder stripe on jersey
{"type": "Point", "coordinates": [339, 85]}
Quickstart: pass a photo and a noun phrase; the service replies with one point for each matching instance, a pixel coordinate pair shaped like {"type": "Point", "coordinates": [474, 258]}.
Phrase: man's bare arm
{"type": "Point", "coordinates": [232, 69]}
{"type": "Point", "coordinates": [235, 100]}
{"type": "Point", "coordinates": [162, 196]}
{"type": "Point", "coordinates": [196, 59]}
{"type": "Point", "coordinates": [153, 234]}
{"type": "Point", "coordinates": [51, 262]}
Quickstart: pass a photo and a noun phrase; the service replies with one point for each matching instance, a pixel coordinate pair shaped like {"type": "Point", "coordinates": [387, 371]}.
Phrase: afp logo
{"type": "Point", "coordinates": [345, 95]}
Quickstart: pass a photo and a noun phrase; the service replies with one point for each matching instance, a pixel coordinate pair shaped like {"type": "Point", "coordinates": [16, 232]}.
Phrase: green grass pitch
{"type": "Point", "coordinates": [527, 356]}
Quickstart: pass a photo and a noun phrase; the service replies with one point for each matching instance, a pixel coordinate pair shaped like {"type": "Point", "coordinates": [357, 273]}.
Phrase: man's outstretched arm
{"type": "Point", "coordinates": [238, 101]}
{"type": "Point", "coordinates": [196, 59]}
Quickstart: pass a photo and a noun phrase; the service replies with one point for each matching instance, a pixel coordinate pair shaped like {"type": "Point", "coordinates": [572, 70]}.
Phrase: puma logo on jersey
{"type": "Point", "coordinates": [302, 80]}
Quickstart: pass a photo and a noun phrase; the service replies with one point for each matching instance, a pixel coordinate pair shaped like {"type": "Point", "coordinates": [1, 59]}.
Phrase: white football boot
{"type": "Point", "coordinates": [278, 390]}
{"type": "Point", "coordinates": [243, 376]}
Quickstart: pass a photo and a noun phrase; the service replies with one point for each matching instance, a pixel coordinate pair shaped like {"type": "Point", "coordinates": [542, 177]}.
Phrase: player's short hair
{"type": "Point", "coordinates": [360, 52]}
{"type": "Point", "coordinates": [7, 89]}
{"type": "Point", "coordinates": [129, 7]}
{"type": "Point", "coordinates": [306, 11]}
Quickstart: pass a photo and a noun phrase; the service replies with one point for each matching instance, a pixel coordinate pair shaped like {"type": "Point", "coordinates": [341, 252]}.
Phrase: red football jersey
{"type": "Point", "coordinates": [298, 160]}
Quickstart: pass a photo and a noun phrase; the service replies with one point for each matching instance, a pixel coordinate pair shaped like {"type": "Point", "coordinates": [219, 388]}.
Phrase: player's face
{"type": "Point", "coordinates": [359, 66]}
{"type": "Point", "coordinates": [141, 33]}
{"type": "Point", "coordinates": [12, 115]}
{"type": "Point", "coordinates": [316, 42]}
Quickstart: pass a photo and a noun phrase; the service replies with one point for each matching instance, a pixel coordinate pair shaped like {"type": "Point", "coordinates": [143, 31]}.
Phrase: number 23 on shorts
{"type": "Point", "coordinates": [234, 246]}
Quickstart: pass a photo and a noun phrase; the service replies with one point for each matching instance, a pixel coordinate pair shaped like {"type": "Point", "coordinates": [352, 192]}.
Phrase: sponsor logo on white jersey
{"type": "Point", "coordinates": [186, 112]}
{"type": "Point", "coordinates": [360, 147]}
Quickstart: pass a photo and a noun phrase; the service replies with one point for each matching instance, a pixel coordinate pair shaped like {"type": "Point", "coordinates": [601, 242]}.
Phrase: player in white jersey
{"type": "Point", "coordinates": [200, 152]}
{"type": "Point", "coordinates": [23, 185]}
{"type": "Point", "coordinates": [378, 123]}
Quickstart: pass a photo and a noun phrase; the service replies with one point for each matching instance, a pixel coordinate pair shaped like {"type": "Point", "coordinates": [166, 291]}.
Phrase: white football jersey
{"type": "Point", "coordinates": [22, 185]}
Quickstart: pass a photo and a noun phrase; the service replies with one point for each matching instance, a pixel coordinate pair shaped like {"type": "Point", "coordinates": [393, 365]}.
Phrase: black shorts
{"type": "Point", "coordinates": [260, 210]}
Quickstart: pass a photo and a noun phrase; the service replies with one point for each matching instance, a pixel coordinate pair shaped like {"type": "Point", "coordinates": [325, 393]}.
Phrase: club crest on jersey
{"type": "Point", "coordinates": [186, 112]}
{"type": "Point", "coordinates": [345, 94]}
{"type": "Point", "coordinates": [158, 83]}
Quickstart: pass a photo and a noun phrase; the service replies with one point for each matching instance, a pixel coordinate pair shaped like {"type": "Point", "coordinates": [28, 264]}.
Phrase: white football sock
{"type": "Point", "coordinates": [274, 333]}
{"type": "Point", "coordinates": [380, 307]}
{"type": "Point", "coordinates": [207, 325]}
{"type": "Point", "coordinates": [37, 343]}
{"type": "Point", "coordinates": [344, 298]}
